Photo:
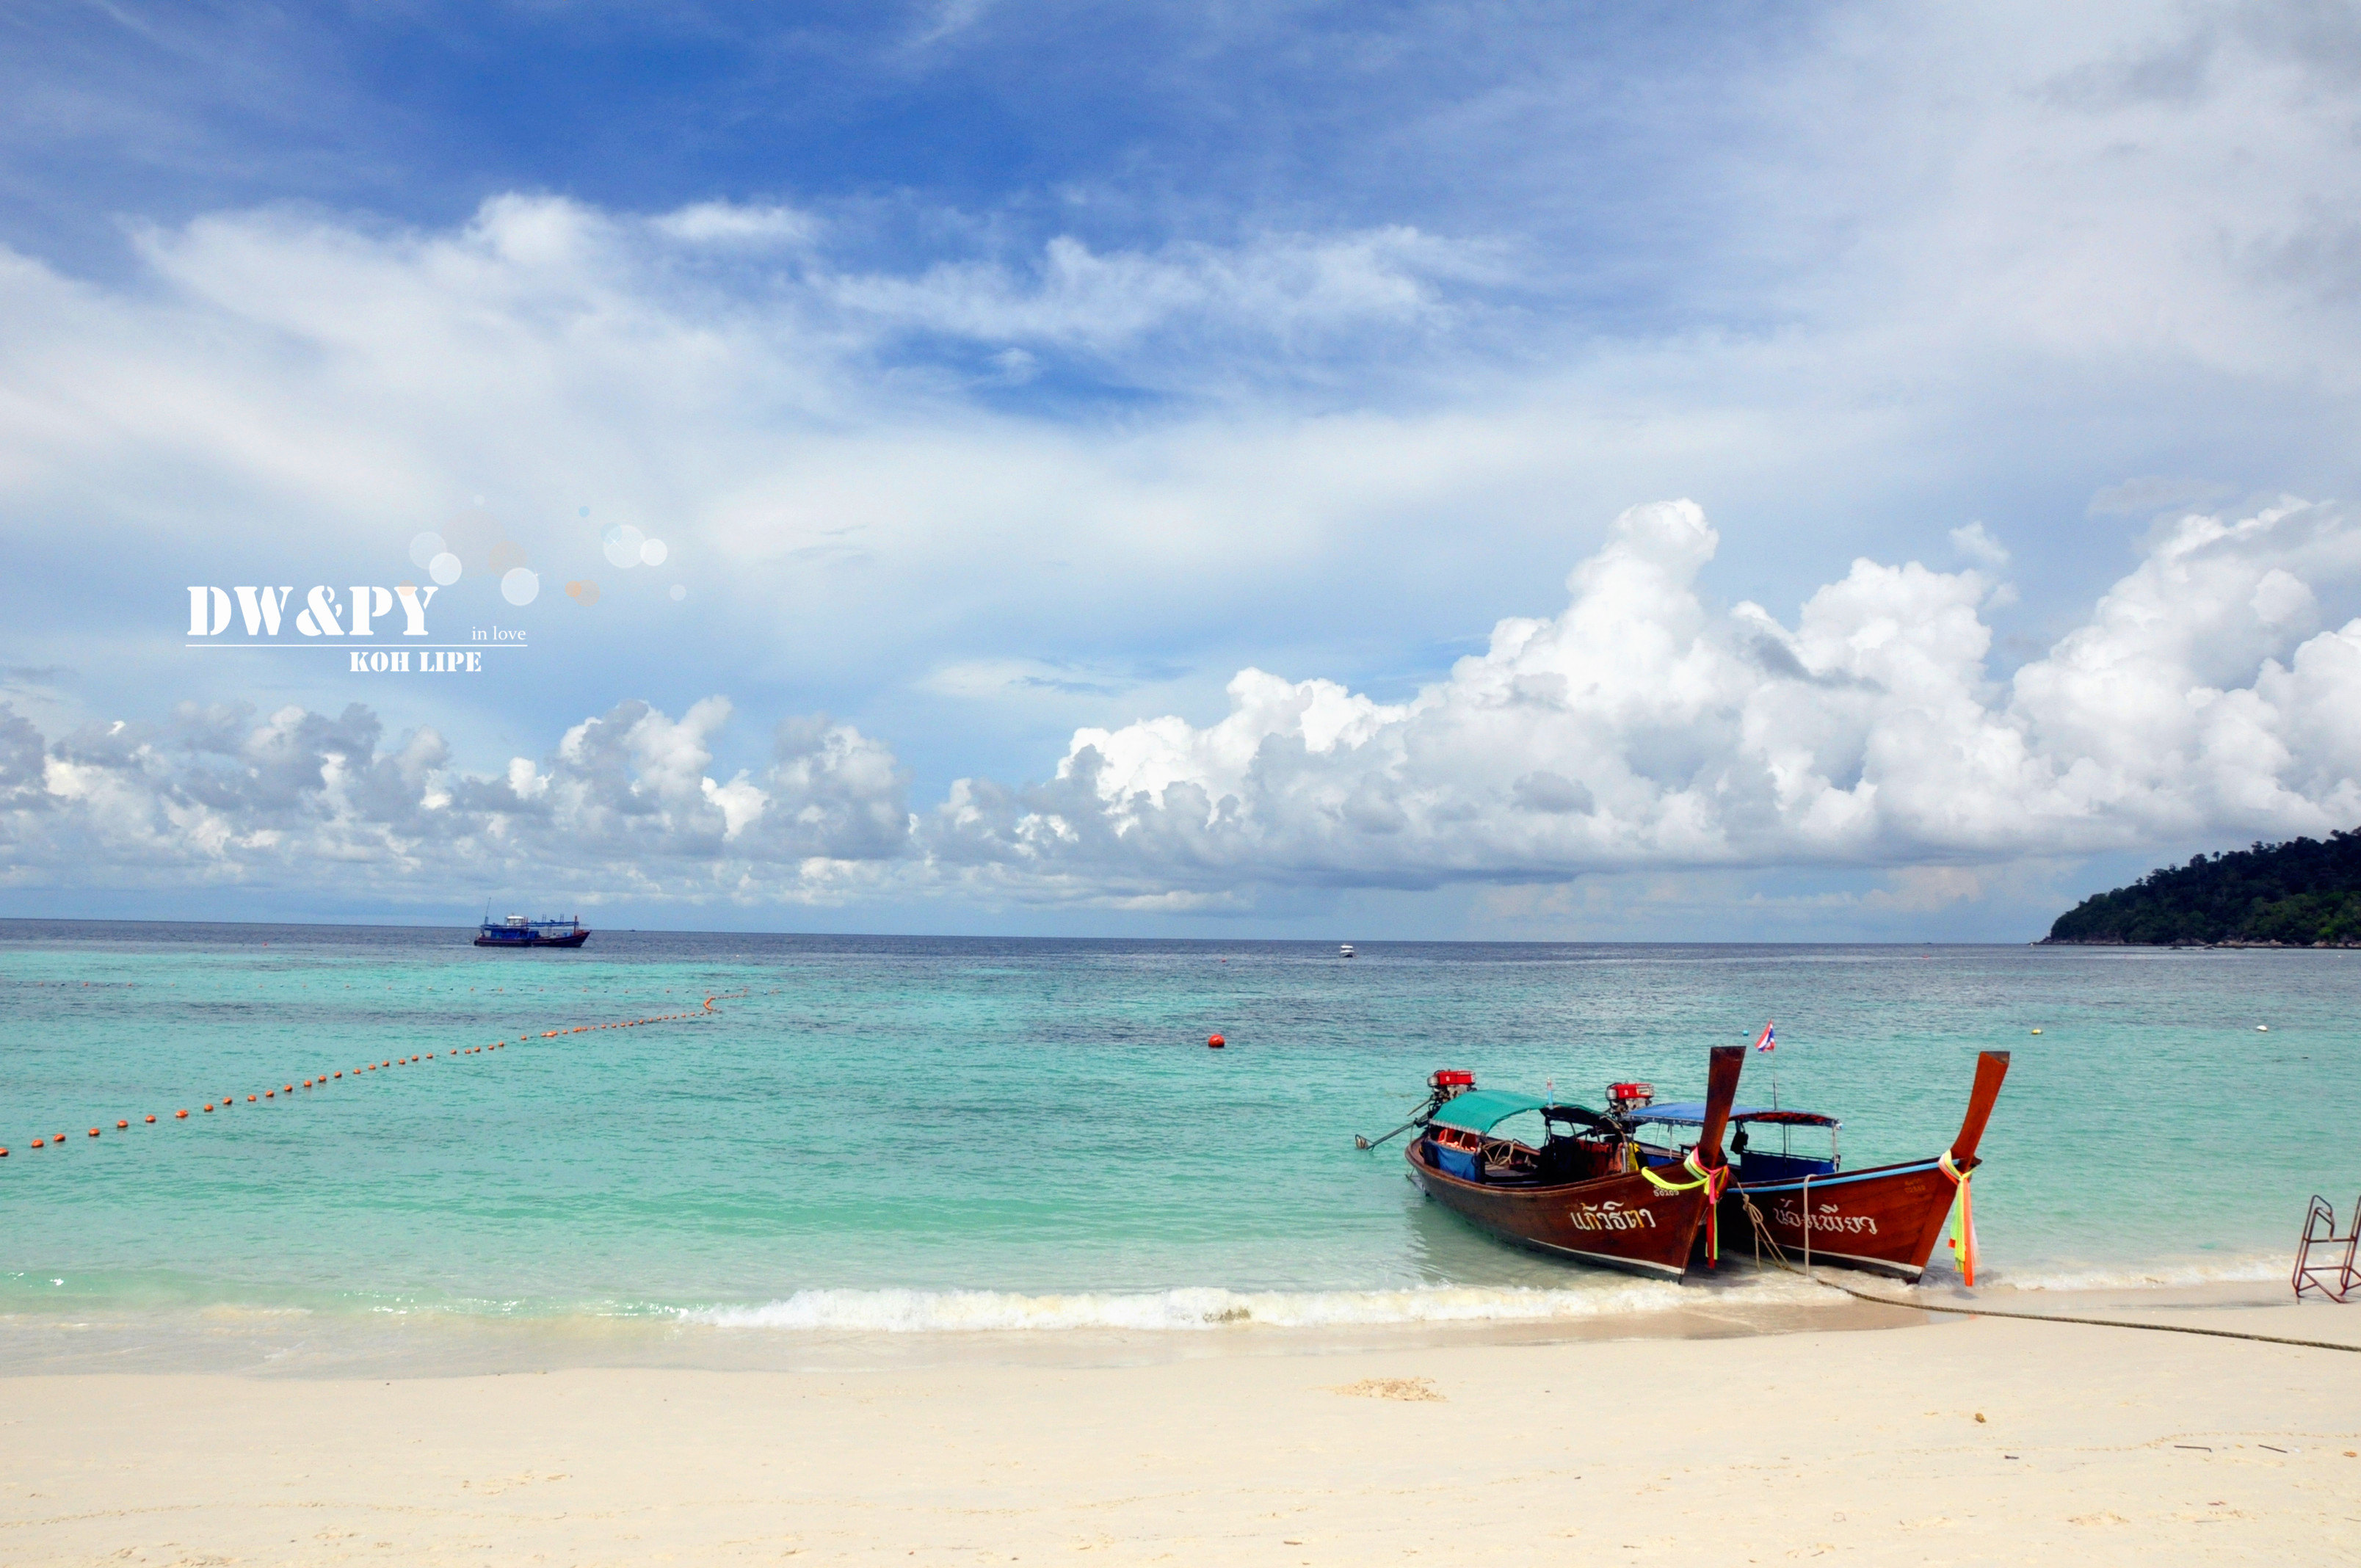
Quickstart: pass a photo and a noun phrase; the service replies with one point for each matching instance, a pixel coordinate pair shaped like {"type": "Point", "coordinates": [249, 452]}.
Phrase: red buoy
{"type": "Point", "coordinates": [1214, 1042]}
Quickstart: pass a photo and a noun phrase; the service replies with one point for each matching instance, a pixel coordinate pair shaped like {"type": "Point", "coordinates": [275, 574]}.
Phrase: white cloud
{"type": "Point", "coordinates": [725, 223]}
{"type": "Point", "coordinates": [620, 807]}
{"type": "Point", "coordinates": [1978, 545]}
{"type": "Point", "coordinates": [1640, 728]}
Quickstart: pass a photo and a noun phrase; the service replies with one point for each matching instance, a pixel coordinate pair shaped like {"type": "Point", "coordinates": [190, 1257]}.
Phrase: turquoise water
{"type": "Point", "coordinates": [909, 1134]}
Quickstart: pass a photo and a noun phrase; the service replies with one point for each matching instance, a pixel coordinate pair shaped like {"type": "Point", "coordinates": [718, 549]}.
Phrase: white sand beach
{"type": "Point", "coordinates": [1948, 1441]}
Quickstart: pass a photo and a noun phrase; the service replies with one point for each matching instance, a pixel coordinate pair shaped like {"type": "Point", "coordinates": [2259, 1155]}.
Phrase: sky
{"type": "Point", "coordinates": [1560, 471]}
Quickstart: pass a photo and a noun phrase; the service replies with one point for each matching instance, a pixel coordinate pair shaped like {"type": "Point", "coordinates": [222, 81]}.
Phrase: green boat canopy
{"type": "Point", "coordinates": [1479, 1109]}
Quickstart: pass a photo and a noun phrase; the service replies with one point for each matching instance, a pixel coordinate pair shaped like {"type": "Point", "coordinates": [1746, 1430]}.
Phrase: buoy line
{"type": "Point", "coordinates": [287, 1090]}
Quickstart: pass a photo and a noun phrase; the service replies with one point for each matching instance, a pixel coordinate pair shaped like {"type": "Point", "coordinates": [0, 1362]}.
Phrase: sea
{"type": "Point", "coordinates": [801, 1138]}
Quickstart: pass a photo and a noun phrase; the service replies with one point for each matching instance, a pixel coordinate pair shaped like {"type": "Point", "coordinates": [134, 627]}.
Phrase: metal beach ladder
{"type": "Point", "coordinates": [2332, 1279]}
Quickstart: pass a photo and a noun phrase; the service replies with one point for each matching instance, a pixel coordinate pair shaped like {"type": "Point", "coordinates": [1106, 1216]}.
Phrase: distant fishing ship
{"type": "Point", "coordinates": [516, 931]}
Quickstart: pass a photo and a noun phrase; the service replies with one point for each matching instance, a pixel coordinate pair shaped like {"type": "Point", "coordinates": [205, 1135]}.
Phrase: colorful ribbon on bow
{"type": "Point", "coordinates": [1963, 1218]}
{"type": "Point", "coordinates": [1713, 1181]}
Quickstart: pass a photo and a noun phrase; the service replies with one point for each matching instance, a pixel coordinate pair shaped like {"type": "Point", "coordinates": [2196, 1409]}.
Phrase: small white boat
{"type": "Point", "coordinates": [1345, 951]}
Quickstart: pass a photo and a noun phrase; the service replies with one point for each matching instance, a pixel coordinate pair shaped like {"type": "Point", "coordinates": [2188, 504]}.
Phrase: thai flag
{"type": "Point", "coordinates": [1766, 1041]}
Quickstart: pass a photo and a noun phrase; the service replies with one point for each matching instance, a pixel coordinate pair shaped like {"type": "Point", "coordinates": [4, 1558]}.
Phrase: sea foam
{"type": "Point", "coordinates": [1197, 1309]}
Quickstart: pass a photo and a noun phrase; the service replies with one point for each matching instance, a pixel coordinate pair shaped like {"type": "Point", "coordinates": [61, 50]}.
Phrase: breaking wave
{"type": "Point", "coordinates": [1200, 1309]}
{"type": "Point", "coordinates": [2178, 1273]}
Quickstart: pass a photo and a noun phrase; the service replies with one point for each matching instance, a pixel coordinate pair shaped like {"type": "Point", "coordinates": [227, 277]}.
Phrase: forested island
{"type": "Point", "coordinates": [2303, 894]}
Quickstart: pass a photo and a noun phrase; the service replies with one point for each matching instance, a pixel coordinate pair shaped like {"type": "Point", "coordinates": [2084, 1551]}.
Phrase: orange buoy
{"type": "Point", "coordinates": [94, 1132]}
{"type": "Point", "coordinates": [180, 1115]}
{"type": "Point", "coordinates": [209, 1105]}
{"type": "Point", "coordinates": [3, 1154]}
{"type": "Point", "coordinates": [250, 1100]}
{"type": "Point", "coordinates": [121, 1122]}
{"type": "Point", "coordinates": [286, 1088]}
{"type": "Point", "coordinates": [37, 1144]}
{"type": "Point", "coordinates": [266, 1094]}
{"type": "Point", "coordinates": [340, 1075]}
{"type": "Point", "coordinates": [1215, 1042]}
{"type": "Point", "coordinates": [151, 1118]}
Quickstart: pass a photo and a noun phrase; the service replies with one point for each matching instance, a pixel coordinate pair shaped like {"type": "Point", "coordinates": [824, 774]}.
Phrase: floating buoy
{"type": "Point", "coordinates": [36, 1143]}
{"type": "Point", "coordinates": [209, 1105]}
{"type": "Point", "coordinates": [180, 1115]}
{"type": "Point", "coordinates": [286, 1088]}
{"type": "Point", "coordinates": [120, 1122]}
{"type": "Point", "coordinates": [340, 1075]}
{"type": "Point", "coordinates": [250, 1100]}
{"type": "Point", "coordinates": [2262, 1029]}
{"type": "Point", "coordinates": [94, 1132]}
{"type": "Point", "coordinates": [1214, 1042]}
{"type": "Point", "coordinates": [3, 1154]}
{"type": "Point", "coordinates": [151, 1119]}
{"type": "Point", "coordinates": [2037, 1031]}
{"type": "Point", "coordinates": [266, 1094]}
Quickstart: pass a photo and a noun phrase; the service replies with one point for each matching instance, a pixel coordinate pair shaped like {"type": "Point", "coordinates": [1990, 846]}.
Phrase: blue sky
{"type": "Point", "coordinates": [1005, 379]}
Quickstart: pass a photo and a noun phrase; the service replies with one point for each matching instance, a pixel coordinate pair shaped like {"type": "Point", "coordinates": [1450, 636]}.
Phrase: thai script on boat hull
{"type": "Point", "coordinates": [1610, 1217]}
{"type": "Point", "coordinates": [1827, 1219]}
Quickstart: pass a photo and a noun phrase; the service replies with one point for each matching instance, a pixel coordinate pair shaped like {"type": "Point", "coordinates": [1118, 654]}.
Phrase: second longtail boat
{"type": "Point", "coordinates": [1883, 1218]}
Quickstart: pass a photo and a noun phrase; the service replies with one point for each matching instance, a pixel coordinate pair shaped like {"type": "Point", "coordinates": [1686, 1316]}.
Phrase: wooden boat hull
{"type": "Point", "coordinates": [1622, 1222]}
{"type": "Point", "coordinates": [1886, 1218]}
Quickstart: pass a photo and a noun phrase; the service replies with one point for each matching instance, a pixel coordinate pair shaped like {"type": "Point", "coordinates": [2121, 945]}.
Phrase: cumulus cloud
{"type": "Point", "coordinates": [1639, 727]}
{"type": "Point", "coordinates": [621, 806]}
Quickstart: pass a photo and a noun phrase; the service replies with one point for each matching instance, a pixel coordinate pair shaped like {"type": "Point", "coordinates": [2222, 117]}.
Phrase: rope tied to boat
{"type": "Point", "coordinates": [1762, 1238]}
{"type": "Point", "coordinates": [1963, 1218]}
{"type": "Point", "coordinates": [1713, 1181]}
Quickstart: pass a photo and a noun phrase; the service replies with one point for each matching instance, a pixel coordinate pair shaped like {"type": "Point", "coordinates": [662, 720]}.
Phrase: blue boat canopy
{"type": "Point", "coordinates": [1691, 1113]}
{"type": "Point", "coordinates": [1480, 1110]}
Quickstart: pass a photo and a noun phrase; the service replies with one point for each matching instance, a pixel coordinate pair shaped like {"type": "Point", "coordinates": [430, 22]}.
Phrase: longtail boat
{"type": "Point", "coordinates": [1587, 1190]}
{"type": "Point", "coordinates": [1883, 1218]}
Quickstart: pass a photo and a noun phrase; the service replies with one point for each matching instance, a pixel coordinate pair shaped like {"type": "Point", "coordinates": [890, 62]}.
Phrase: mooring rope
{"type": "Point", "coordinates": [1763, 1235]}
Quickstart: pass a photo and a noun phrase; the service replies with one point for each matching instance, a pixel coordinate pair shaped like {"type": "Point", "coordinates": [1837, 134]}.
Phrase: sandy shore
{"type": "Point", "coordinates": [1940, 1441]}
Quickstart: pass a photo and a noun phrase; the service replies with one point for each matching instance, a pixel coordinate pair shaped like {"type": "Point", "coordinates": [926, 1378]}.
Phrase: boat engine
{"type": "Point", "coordinates": [1448, 1083]}
{"type": "Point", "coordinates": [1624, 1097]}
